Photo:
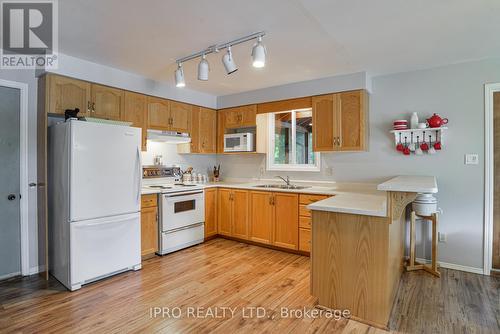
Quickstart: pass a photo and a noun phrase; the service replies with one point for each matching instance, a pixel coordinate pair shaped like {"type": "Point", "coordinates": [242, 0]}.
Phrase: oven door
{"type": "Point", "coordinates": [179, 210]}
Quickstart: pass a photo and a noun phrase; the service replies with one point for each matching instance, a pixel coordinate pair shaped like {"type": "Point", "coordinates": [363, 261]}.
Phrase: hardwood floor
{"type": "Point", "coordinates": [223, 273]}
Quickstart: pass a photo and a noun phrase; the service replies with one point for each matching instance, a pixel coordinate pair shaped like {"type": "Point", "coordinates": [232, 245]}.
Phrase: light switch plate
{"type": "Point", "coordinates": [471, 159]}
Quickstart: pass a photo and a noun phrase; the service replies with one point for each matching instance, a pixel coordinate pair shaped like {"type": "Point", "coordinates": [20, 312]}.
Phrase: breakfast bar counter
{"type": "Point", "coordinates": [357, 259]}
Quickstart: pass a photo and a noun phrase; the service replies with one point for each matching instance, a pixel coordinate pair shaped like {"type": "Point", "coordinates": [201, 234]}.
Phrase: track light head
{"type": "Point", "coordinates": [259, 54]}
{"type": "Point", "coordinates": [179, 76]}
{"type": "Point", "coordinates": [203, 68]}
{"type": "Point", "coordinates": [228, 62]}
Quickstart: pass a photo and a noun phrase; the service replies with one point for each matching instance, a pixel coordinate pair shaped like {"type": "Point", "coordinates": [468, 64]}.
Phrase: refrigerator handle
{"type": "Point", "coordinates": [139, 175]}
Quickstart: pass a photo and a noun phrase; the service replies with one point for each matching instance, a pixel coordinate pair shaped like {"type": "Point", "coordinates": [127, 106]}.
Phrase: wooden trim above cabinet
{"type": "Point", "coordinates": [284, 105]}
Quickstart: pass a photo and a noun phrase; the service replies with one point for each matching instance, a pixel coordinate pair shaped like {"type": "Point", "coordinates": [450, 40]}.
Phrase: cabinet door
{"type": "Point", "coordinates": [196, 125]}
{"type": "Point", "coordinates": [207, 133]}
{"type": "Point", "coordinates": [248, 115]}
{"type": "Point", "coordinates": [231, 117]}
{"type": "Point", "coordinates": [224, 211]}
{"type": "Point", "coordinates": [240, 214]}
{"type": "Point", "coordinates": [158, 113]}
{"type": "Point", "coordinates": [210, 212]}
{"type": "Point", "coordinates": [220, 131]}
{"type": "Point", "coordinates": [180, 116]}
{"type": "Point", "coordinates": [66, 93]}
{"type": "Point", "coordinates": [107, 102]}
{"type": "Point", "coordinates": [261, 216]}
{"type": "Point", "coordinates": [352, 120]}
{"type": "Point", "coordinates": [286, 221]}
{"type": "Point", "coordinates": [325, 108]}
{"type": "Point", "coordinates": [149, 231]}
{"type": "Point", "coordinates": [135, 112]}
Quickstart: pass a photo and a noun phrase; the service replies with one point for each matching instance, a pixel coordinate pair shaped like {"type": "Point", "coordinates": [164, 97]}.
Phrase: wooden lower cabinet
{"type": "Point", "coordinates": [261, 216]}
{"type": "Point", "coordinates": [304, 240]}
{"type": "Point", "coordinates": [274, 219]}
{"type": "Point", "coordinates": [224, 211]}
{"type": "Point", "coordinates": [149, 225]}
{"type": "Point", "coordinates": [210, 212]}
{"type": "Point", "coordinates": [233, 212]}
{"type": "Point", "coordinates": [305, 220]}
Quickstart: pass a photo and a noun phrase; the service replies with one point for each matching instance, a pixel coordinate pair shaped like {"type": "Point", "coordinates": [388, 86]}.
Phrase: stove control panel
{"type": "Point", "coordinates": [149, 172]}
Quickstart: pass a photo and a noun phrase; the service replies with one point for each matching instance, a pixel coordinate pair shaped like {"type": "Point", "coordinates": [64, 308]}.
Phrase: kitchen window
{"type": "Point", "coordinates": [291, 141]}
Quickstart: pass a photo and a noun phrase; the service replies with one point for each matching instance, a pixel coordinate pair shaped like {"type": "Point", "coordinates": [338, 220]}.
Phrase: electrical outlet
{"type": "Point", "coordinates": [261, 171]}
{"type": "Point", "coordinates": [441, 237]}
{"type": "Point", "coordinates": [329, 171]}
{"type": "Point", "coordinates": [471, 159]}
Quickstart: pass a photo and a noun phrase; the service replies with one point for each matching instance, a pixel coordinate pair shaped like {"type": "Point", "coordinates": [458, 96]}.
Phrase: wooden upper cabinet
{"type": "Point", "coordinates": [207, 130]}
{"type": "Point", "coordinates": [324, 110]}
{"type": "Point", "coordinates": [339, 121]}
{"type": "Point", "coordinates": [135, 111]}
{"type": "Point", "coordinates": [240, 117]}
{"type": "Point", "coordinates": [107, 102]}
{"type": "Point", "coordinates": [158, 113]}
{"type": "Point", "coordinates": [261, 216]}
{"type": "Point", "coordinates": [239, 221]}
{"type": "Point", "coordinates": [352, 120]}
{"type": "Point", "coordinates": [180, 116]}
{"type": "Point", "coordinates": [286, 220]}
{"type": "Point", "coordinates": [224, 211]}
{"type": "Point", "coordinates": [210, 212]}
{"type": "Point", "coordinates": [67, 93]}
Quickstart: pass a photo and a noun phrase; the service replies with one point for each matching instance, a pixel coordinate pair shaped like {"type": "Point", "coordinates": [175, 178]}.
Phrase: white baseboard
{"type": "Point", "coordinates": [7, 276]}
{"type": "Point", "coordinates": [34, 270]}
{"type": "Point", "coordinates": [455, 266]}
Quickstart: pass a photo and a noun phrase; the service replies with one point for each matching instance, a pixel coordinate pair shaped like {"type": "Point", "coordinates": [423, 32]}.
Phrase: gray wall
{"type": "Point", "coordinates": [456, 92]}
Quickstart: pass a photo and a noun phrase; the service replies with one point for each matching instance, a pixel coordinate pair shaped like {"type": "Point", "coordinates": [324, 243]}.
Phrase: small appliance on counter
{"type": "Point", "coordinates": [181, 208]}
{"type": "Point", "coordinates": [238, 142]}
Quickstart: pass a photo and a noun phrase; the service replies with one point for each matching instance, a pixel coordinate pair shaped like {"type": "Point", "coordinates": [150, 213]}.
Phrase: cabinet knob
{"type": "Point", "coordinates": [11, 197]}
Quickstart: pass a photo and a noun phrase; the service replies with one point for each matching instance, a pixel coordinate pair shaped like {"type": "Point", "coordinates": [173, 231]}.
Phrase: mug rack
{"type": "Point", "coordinates": [414, 138]}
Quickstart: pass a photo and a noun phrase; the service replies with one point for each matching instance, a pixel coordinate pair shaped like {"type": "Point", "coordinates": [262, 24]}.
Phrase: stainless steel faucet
{"type": "Point", "coordinates": [287, 180]}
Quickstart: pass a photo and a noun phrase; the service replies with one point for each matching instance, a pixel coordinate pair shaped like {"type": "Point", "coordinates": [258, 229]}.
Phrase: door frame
{"type": "Point", "coordinates": [23, 175]}
{"type": "Point", "coordinates": [489, 160]}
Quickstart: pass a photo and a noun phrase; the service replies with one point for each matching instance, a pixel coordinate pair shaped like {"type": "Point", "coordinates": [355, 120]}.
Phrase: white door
{"type": "Point", "coordinates": [103, 246]}
{"type": "Point", "coordinates": [105, 170]}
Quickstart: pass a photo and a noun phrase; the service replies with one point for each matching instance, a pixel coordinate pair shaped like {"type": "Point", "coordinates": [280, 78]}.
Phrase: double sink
{"type": "Point", "coordinates": [282, 186]}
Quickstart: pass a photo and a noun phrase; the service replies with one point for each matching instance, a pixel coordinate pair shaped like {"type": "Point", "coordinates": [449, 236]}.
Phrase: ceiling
{"type": "Point", "coordinates": [306, 39]}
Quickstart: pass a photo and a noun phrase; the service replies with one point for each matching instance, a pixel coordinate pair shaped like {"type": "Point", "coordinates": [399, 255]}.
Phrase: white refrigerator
{"type": "Point", "coordinates": [94, 194]}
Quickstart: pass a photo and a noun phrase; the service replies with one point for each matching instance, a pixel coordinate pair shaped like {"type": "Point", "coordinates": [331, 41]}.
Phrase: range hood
{"type": "Point", "coordinates": [170, 137]}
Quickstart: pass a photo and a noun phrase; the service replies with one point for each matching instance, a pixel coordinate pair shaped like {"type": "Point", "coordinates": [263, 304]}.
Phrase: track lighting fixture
{"type": "Point", "coordinates": [228, 62]}
{"type": "Point", "coordinates": [179, 76]}
{"type": "Point", "coordinates": [259, 54]}
{"type": "Point", "coordinates": [203, 68]}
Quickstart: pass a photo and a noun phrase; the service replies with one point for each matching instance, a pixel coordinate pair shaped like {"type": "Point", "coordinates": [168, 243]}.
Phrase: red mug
{"type": "Point", "coordinates": [437, 145]}
{"type": "Point", "coordinates": [406, 151]}
{"type": "Point", "coordinates": [424, 146]}
{"type": "Point", "coordinates": [399, 147]}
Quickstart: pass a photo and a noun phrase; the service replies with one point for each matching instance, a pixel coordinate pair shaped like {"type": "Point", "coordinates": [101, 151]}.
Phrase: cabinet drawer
{"type": "Point", "coordinates": [148, 201]}
{"type": "Point", "coordinates": [308, 199]}
{"type": "Point", "coordinates": [305, 222]}
{"type": "Point", "coordinates": [304, 211]}
{"type": "Point", "coordinates": [304, 240]}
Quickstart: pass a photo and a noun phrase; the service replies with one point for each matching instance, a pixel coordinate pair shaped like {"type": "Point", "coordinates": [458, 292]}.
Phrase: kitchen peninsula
{"type": "Point", "coordinates": [357, 254]}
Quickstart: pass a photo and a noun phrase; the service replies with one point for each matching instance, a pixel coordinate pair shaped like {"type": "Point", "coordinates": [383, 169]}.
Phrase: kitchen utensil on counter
{"type": "Point", "coordinates": [435, 121]}
{"type": "Point", "coordinates": [422, 125]}
{"type": "Point", "coordinates": [217, 173]}
{"type": "Point", "coordinates": [414, 121]}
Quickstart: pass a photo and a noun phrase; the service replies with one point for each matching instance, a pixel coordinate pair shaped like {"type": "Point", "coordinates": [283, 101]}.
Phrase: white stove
{"type": "Point", "coordinates": [181, 206]}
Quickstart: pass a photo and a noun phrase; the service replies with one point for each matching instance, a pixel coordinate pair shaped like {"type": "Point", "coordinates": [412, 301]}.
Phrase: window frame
{"type": "Point", "coordinates": [270, 165]}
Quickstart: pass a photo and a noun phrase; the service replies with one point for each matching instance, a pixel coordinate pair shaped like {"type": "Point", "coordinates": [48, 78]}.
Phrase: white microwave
{"type": "Point", "coordinates": [238, 142]}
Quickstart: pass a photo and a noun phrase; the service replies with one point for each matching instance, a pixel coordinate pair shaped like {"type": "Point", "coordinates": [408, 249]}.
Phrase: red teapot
{"type": "Point", "coordinates": [436, 121]}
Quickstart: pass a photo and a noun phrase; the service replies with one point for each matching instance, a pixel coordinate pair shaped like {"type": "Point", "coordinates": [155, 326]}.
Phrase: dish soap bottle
{"type": "Point", "coordinates": [414, 121]}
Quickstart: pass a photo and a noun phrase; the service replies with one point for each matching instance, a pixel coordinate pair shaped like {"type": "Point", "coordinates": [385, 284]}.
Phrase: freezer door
{"type": "Point", "coordinates": [101, 247]}
{"type": "Point", "coordinates": [105, 175]}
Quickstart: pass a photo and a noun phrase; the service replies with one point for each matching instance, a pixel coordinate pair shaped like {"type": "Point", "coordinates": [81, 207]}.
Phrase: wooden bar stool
{"type": "Point", "coordinates": [414, 265]}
